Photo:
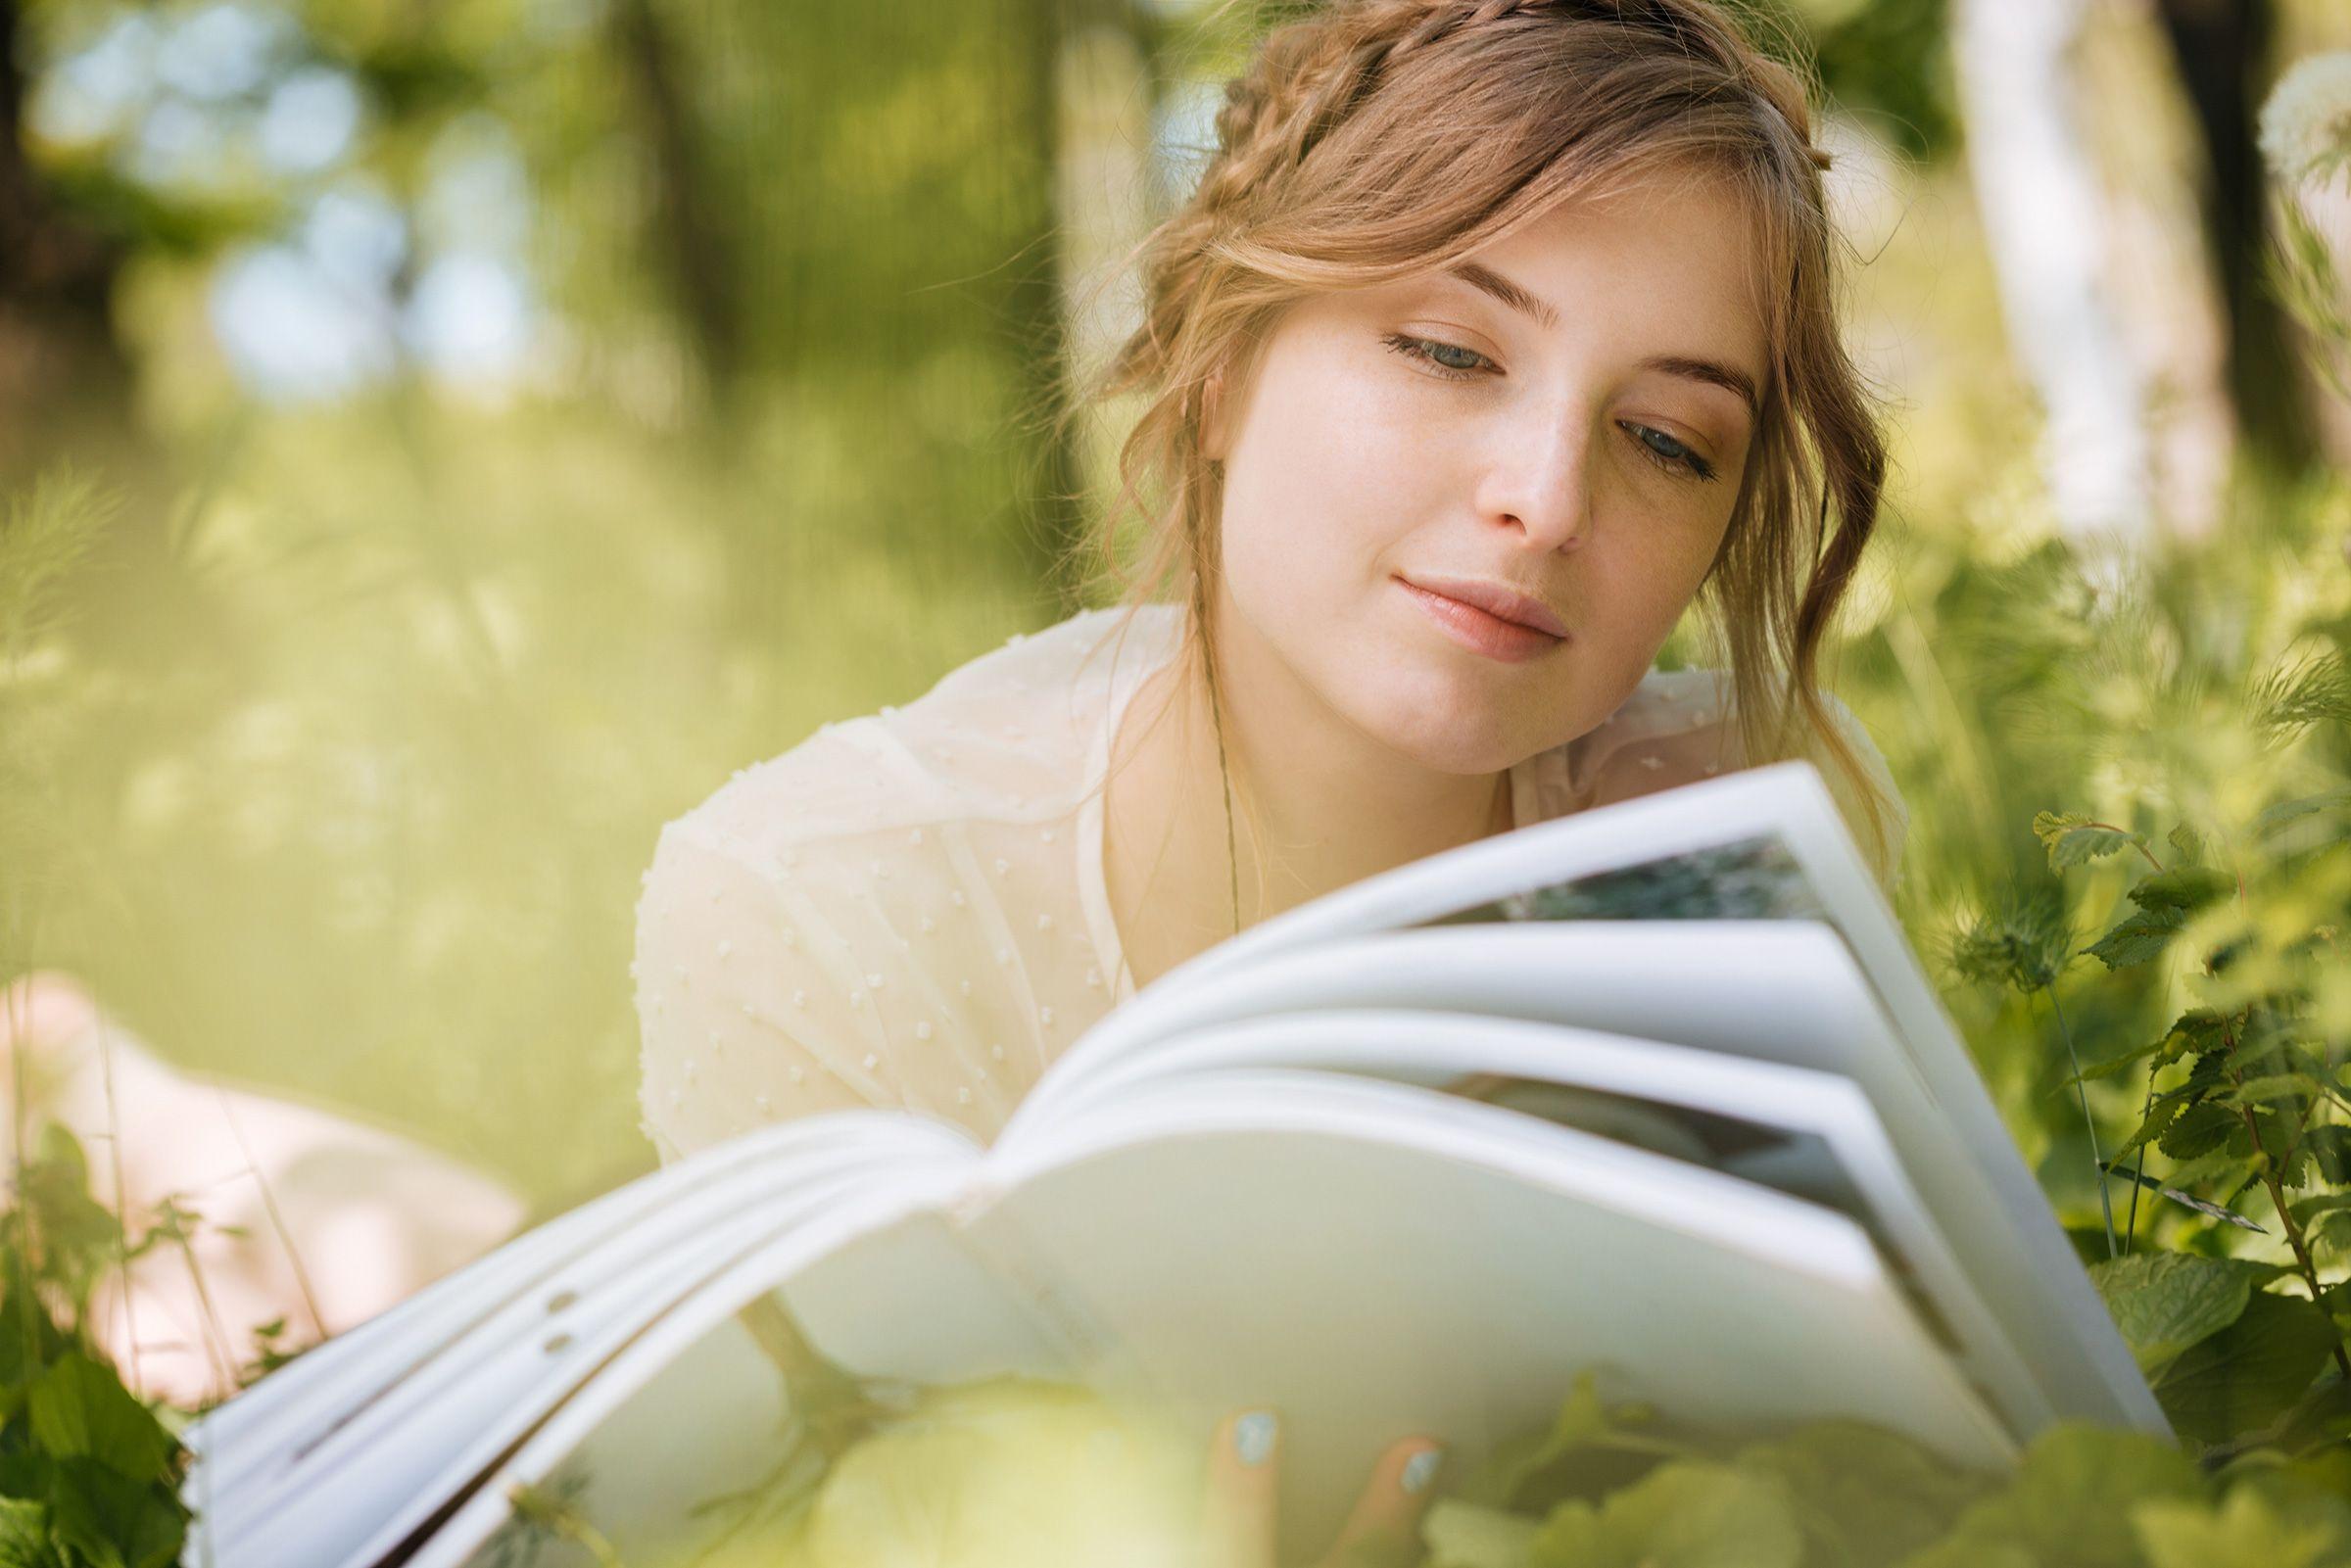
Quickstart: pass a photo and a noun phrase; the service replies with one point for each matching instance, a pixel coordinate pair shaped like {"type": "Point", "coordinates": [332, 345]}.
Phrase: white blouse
{"type": "Point", "coordinates": [908, 909]}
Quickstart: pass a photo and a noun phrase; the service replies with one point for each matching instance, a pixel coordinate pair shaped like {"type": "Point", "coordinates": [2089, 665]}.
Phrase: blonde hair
{"type": "Point", "coordinates": [1369, 140]}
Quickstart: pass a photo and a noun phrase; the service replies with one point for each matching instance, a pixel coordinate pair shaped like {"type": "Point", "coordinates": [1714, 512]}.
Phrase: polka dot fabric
{"type": "Point", "coordinates": [907, 909]}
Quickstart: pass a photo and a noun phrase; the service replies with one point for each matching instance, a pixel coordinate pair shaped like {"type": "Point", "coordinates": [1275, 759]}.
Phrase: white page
{"type": "Point", "coordinates": [669, 1336]}
{"type": "Point", "coordinates": [1784, 804]}
{"type": "Point", "coordinates": [1730, 1302]}
{"type": "Point", "coordinates": [288, 1410]}
{"type": "Point", "coordinates": [1439, 1050]}
{"type": "Point", "coordinates": [1786, 991]}
{"type": "Point", "coordinates": [398, 1454]}
{"type": "Point", "coordinates": [1390, 1260]}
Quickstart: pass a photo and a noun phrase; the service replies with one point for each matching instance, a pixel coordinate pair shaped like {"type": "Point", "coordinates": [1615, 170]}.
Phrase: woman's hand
{"type": "Point", "coordinates": [1244, 1472]}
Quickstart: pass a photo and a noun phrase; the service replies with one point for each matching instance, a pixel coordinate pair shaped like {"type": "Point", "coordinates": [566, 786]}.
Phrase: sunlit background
{"type": "Point", "coordinates": [510, 417]}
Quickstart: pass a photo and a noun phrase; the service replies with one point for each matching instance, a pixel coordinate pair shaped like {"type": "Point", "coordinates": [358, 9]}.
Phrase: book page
{"type": "Point", "coordinates": [375, 1441]}
{"type": "Point", "coordinates": [1375, 1260]}
{"type": "Point", "coordinates": [1766, 842]}
{"type": "Point", "coordinates": [1809, 1133]}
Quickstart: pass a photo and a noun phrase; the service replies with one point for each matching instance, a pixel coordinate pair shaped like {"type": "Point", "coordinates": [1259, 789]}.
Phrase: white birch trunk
{"type": "Point", "coordinates": [2042, 204]}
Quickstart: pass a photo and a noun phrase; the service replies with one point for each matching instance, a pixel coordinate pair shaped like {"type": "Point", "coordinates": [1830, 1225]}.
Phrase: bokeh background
{"type": "Point", "coordinates": [444, 438]}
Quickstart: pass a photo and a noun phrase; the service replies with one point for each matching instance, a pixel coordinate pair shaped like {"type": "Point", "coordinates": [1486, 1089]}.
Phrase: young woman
{"type": "Point", "coordinates": [1496, 337]}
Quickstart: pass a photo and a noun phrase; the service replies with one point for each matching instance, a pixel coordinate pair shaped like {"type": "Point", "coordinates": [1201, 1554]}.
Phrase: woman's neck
{"type": "Point", "coordinates": [1331, 808]}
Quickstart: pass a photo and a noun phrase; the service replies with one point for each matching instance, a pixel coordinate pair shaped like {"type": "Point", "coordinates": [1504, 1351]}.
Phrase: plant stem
{"type": "Point", "coordinates": [2277, 1191]}
{"type": "Point", "coordinates": [2138, 1170]}
{"type": "Point", "coordinates": [2134, 837]}
{"type": "Point", "coordinates": [2081, 1091]}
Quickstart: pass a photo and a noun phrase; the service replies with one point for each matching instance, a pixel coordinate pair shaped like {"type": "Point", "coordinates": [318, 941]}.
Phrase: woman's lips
{"type": "Point", "coordinates": [1477, 630]}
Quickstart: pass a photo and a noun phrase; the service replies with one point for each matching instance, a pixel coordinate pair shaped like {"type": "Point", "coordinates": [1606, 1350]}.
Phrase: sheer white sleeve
{"type": "Point", "coordinates": [743, 1018]}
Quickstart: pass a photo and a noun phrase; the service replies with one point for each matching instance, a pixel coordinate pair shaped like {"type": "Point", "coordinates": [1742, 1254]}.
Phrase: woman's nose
{"type": "Point", "coordinates": [1541, 483]}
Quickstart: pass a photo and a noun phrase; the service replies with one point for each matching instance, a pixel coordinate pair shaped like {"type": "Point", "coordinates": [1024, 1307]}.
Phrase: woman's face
{"type": "Point", "coordinates": [1583, 447]}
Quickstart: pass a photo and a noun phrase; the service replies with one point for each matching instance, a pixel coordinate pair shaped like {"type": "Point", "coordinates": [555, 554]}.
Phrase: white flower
{"type": "Point", "coordinates": [2306, 123]}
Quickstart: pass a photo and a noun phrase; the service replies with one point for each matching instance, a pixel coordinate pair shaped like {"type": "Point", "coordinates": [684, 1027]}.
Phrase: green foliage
{"type": "Point", "coordinates": [2166, 1302]}
{"type": "Point", "coordinates": [1844, 1494]}
{"type": "Point", "coordinates": [89, 1475]}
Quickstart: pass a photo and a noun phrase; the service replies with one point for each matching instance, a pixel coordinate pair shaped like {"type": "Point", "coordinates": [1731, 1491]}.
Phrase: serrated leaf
{"type": "Point", "coordinates": [2136, 939]}
{"type": "Point", "coordinates": [2199, 1129]}
{"type": "Point", "coordinates": [2073, 839]}
{"type": "Point", "coordinates": [2249, 1373]}
{"type": "Point", "coordinates": [2289, 811]}
{"type": "Point", "coordinates": [2329, 1145]}
{"type": "Point", "coordinates": [2183, 888]}
{"type": "Point", "coordinates": [2271, 1086]}
{"type": "Point", "coordinates": [2165, 1302]}
{"type": "Point", "coordinates": [2198, 1029]}
{"type": "Point", "coordinates": [2160, 1117]}
{"type": "Point", "coordinates": [2328, 1233]}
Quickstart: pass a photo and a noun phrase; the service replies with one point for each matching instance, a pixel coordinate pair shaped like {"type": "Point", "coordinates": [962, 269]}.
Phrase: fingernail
{"type": "Point", "coordinates": [1421, 1469]}
{"type": "Point", "coordinates": [1253, 1437]}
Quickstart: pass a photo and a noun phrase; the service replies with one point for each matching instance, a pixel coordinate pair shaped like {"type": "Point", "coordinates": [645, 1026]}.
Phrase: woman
{"type": "Point", "coordinates": [1495, 337]}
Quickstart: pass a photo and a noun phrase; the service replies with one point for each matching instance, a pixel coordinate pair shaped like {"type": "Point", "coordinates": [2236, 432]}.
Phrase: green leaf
{"type": "Point", "coordinates": [2186, 844]}
{"type": "Point", "coordinates": [81, 1409]}
{"type": "Point", "coordinates": [2289, 811]}
{"type": "Point", "coordinates": [2159, 1120]}
{"type": "Point", "coordinates": [2329, 1145]}
{"type": "Point", "coordinates": [2072, 1486]}
{"type": "Point", "coordinates": [1690, 1513]}
{"type": "Point", "coordinates": [2072, 840]}
{"type": "Point", "coordinates": [2330, 1234]}
{"type": "Point", "coordinates": [1865, 1495]}
{"type": "Point", "coordinates": [2136, 940]}
{"type": "Point", "coordinates": [2287, 823]}
{"type": "Point", "coordinates": [1463, 1535]}
{"type": "Point", "coordinates": [2199, 1129]}
{"type": "Point", "coordinates": [113, 1520]}
{"type": "Point", "coordinates": [2247, 1531]}
{"type": "Point", "coordinates": [2165, 1302]}
{"type": "Point", "coordinates": [2197, 1030]}
{"type": "Point", "coordinates": [25, 1534]}
{"type": "Point", "coordinates": [2183, 888]}
{"type": "Point", "coordinates": [1583, 1422]}
{"type": "Point", "coordinates": [2272, 1086]}
{"type": "Point", "coordinates": [2249, 1373]}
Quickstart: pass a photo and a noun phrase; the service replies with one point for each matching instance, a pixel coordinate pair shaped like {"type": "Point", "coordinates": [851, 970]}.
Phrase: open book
{"type": "Point", "coordinates": [1655, 1090]}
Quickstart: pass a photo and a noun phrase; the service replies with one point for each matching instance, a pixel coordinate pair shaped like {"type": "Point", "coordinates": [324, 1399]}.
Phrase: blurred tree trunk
{"type": "Point", "coordinates": [1052, 508]}
{"type": "Point", "coordinates": [694, 245]}
{"type": "Point", "coordinates": [2037, 189]}
{"type": "Point", "coordinates": [2223, 50]}
{"type": "Point", "coordinates": [65, 381]}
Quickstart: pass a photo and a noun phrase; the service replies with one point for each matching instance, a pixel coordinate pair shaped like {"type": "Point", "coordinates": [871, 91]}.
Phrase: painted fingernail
{"type": "Point", "coordinates": [1253, 1437]}
{"type": "Point", "coordinates": [1421, 1469]}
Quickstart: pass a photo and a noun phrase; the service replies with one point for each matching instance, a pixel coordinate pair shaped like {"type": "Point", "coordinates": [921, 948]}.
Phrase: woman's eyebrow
{"type": "Point", "coordinates": [1730, 378]}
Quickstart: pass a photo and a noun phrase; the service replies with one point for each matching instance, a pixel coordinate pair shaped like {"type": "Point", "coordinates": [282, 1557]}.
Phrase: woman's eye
{"type": "Point", "coordinates": [1457, 363]}
{"type": "Point", "coordinates": [1670, 454]}
{"type": "Point", "coordinates": [1438, 357]}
